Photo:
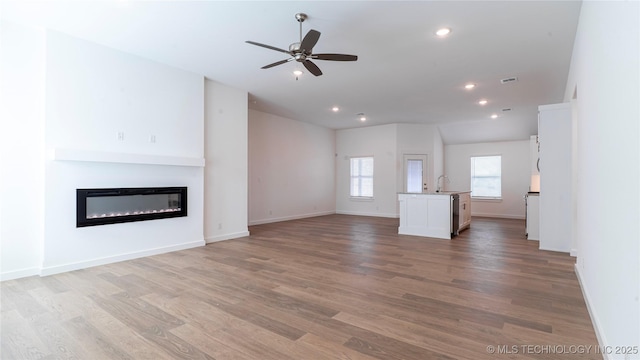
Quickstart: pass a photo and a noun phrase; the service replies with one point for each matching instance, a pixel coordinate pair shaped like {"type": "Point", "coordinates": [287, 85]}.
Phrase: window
{"type": "Point", "coordinates": [414, 175]}
{"type": "Point", "coordinates": [486, 177]}
{"type": "Point", "coordinates": [361, 177]}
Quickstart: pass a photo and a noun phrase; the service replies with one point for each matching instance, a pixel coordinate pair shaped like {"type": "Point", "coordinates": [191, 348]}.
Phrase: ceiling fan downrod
{"type": "Point", "coordinates": [301, 17]}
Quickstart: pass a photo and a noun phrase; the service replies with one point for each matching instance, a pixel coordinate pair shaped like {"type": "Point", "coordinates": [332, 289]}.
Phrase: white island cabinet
{"type": "Point", "coordinates": [425, 214]}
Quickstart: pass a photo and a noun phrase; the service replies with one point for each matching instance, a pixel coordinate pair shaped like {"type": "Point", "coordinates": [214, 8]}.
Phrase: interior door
{"type": "Point", "coordinates": [415, 173]}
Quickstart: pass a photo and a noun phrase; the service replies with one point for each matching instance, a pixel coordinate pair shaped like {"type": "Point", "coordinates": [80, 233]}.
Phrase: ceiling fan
{"type": "Point", "coordinates": [302, 51]}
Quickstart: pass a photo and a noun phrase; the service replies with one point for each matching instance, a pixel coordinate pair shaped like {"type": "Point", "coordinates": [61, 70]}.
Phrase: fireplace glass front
{"type": "Point", "coordinates": [118, 205]}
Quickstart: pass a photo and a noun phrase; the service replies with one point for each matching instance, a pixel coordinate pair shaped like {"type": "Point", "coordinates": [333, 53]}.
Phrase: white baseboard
{"type": "Point", "coordinates": [359, 213]}
{"type": "Point", "coordinates": [291, 217]}
{"type": "Point", "coordinates": [499, 216]}
{"type": "Point", "coordinates": [554, 249]}
{"type": "Point", "coordinates": [212, 239]}
{"type": "Point", "coordinates": [56, 269]}
{"type": "Point", "coordinates": [17, 274]}
{"type": "Point", "coordinates": [592, 313]}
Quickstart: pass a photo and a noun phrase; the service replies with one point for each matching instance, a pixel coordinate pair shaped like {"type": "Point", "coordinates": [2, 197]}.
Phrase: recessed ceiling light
{"type": "Point", "coordinates": [482, 102]}
{"type": "Point", "coordinates": [494, 116]}
{"type": "Point", "coordinates": [443, 32]}
{"type": "Point", "coordinates": [469, 86]}
{"type": "Point", "coordinates": [335, 109]}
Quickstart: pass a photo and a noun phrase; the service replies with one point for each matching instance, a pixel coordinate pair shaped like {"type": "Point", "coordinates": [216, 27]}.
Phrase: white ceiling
{"type": "Point", "coordinates": [404, 74]}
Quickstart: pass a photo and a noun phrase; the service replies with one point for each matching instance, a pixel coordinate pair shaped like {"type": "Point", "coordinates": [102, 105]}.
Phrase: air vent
{"type": "Point", "coordinates": [506, 109]}
{"type": "Point", "coordinates": [509, 80]}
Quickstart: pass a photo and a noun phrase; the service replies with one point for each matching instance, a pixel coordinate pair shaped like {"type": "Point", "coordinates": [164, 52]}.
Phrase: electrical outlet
{"type": "Point", "coordinates": [120, 135]}
{"type": "Point", "coordinates": [219, 226]}
{"type": "Point", "coordinates": [152, 139]}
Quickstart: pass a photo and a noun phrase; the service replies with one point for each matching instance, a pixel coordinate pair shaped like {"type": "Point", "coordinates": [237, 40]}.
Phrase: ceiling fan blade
{"type": "Point", "coordinates": [335, 57]}
{"type": "Point", "coordinates": [267, 46]}
{"type": "Point", "coordinates": [309, 40]}
{"type": "Point", "coordinates": [276, 63]}
{"type": "Point", "coordinates": [313, 68]}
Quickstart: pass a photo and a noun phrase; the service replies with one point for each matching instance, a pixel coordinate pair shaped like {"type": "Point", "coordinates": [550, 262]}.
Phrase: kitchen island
{"type": "Point", "coordinates": [437, 214]}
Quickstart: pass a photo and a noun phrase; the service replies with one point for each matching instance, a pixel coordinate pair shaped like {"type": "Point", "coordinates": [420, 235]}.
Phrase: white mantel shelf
{"type": "Point", "coordinates": [60, 154]}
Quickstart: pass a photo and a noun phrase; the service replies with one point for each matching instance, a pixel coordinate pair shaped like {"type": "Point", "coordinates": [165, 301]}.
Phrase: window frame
{"type": "Point", "coordinates": [360, 177]}
{"type": "Point", "coordinates": [472, 173]}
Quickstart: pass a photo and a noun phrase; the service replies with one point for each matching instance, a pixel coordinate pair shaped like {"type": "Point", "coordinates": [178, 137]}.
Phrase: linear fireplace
{"type": "Point", "coordinates": [118, 205]}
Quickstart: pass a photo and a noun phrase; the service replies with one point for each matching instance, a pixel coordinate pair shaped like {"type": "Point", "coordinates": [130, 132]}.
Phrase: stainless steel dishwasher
{"type": "Point", "coordinates": [455, 214]}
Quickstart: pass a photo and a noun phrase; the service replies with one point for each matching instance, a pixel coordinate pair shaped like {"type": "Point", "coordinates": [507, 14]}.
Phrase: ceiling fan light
{"type": "Point", "coordinates": [443, 32]}
{"type": "Point", "coordinates": [482, 102]}
{"type": "Point", "coordinates": [297, 72]}
{"type": "Point", "coordinates": [469, 86]}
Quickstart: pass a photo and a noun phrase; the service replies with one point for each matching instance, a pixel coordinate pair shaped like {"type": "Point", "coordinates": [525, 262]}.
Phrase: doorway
{"type": "Point", "coordinates": [415, 173]}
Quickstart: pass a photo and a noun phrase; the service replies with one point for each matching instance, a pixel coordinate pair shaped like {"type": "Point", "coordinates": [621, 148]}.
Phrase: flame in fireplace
{"type": "Point", "coordinates": [133, 213]}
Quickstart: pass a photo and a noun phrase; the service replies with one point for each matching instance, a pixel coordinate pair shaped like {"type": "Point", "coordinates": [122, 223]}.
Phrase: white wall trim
{"type": "Point", "coordinates": [360, 213]}
{"type": "Point", "coordinates": [122, 257]}
{"type": "Point", "coordinates": [574, 252]}
{"type": "Point", "coordinates": [17, 274]}
{"type": "Point", "coordinates": [212, 239]}
{"type": "Point", "coordinates": [592, 313]}
{"type": "Point", "coordinates": [292, 217]}
{"type": "Point", "coordinates": [124, 158]}
{"type": "Point", "coordinates": [500, 216]}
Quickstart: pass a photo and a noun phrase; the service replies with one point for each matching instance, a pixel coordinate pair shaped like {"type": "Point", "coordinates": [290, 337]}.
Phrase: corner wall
{"type": "Point", "coordinates": [291, 169]}
{"type": "Point", "coordinates": [516, 176]}
{"type": "Point", "coordinates": [387, 144]}
{"type": "Point", "coordinates": [381, 143]}
{"type": "Point", "coordinates": [226, 169]}
{"type": "Point", "coordinates": [22, 153]}
{"type": "Point", "coordinates": [605, 75]}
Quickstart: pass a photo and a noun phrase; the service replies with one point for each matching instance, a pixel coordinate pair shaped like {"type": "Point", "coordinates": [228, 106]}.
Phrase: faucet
{"type": "Point", "coordinates": [438, 181]}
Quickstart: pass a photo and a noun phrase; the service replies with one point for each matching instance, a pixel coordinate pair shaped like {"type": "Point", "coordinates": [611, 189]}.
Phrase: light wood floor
{"type": "Point", "coordinates": [331, 287]}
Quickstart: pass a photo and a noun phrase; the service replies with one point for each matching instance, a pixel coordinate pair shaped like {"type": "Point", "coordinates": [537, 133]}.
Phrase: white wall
{"type": "Point", "coordinates": [21, 150]}
{"type": "Point", "coordinates": [516, 175]}
{"type": "Point", "coordinates": [419, 139]}
{"type": "Point", "coordinates": [605, 70]}
{"type": "Point", "coordinates": [387, 144]}
{"type": "Point", "coordinates": [91, 93]}
{"type": "Point", "coordinates": [438, 157]}
{"type": "Point", "coordinates": [226, 170]}
{"type": "Point", "coordinates": [291, 169]}
{"type": "Point", "coordinates": [381, 143]}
